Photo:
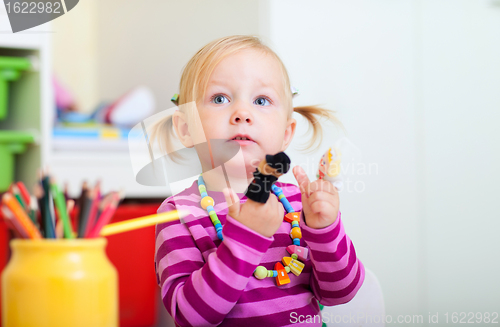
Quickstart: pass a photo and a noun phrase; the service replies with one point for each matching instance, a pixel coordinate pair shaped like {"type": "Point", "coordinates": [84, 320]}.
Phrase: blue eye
{"type": "Point", "coordinates": [219, 99]}
{"type": "Point", "coordinates": [262, 101]}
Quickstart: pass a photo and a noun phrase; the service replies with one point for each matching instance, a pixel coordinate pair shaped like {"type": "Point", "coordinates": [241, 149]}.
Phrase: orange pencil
{"type": "Point", "coordinates": [12, 223]}
{"type": "Point", "coordinates": [21, 216]}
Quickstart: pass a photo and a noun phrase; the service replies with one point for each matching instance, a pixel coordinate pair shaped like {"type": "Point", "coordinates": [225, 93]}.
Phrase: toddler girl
{"type": "Point", "coordinates": [236, 90]}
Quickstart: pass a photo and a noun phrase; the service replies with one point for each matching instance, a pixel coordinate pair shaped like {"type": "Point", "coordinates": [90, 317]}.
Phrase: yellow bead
{"type": "Point", "coordinates": [296, 233]}
{"type": "Point", "coordinates": [260, 272]}
{"type": "Point", "coordinates": [296, 267]}
{"type": "Point", "coordinates": [207, 201]}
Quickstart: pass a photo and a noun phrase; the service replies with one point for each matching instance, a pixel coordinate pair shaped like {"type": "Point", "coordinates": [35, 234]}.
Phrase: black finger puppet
{"type": "Point", "coordinates": [268, 172]}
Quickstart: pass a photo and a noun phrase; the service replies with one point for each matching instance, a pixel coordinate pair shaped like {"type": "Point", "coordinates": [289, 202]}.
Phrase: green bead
{"type": "Point", "coordinates": [217, 221]}
{"type": "Point", "coordinates": [294, 256]}
{"type": "Point", "coordinates": [260, 272]}
{"type": "Point", "coordinates": [202, 188]}
{"type": "Point", "coordinates": [270, 273]}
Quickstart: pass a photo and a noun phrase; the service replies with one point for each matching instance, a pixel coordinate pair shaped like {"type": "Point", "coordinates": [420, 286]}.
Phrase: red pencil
{"type": "Point", "coordinates": [24, 192]}
{"type": "Point", "coordinates": [106, 215]}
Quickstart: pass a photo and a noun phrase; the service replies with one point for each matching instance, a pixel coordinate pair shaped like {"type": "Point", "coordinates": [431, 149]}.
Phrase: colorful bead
{"type": "Point", "coordinates": [282, 277]}
{"type": "Point", "coordinates": [294, 256]}
{"type": "Point", "coordinates": [260, 272]}
{"type": "Point", "coordinates": [296, 267]}
{"type": "Point", "coordinates": [287, 269]}
{"type": "Point", "coordinates": [295, 224]}
{"type": "Point", "coordinates": [296, 233]}
{"type": "Point", "coordinates": [292, 216]}
{"type": "Point", "coordinates": [296, 241]}
{"type": "Point", "coordinates": [206, 201]}
{"type": "Point", "coordinates": [299, 251]}
{"type": "Point", "coordinates": [279, 193]}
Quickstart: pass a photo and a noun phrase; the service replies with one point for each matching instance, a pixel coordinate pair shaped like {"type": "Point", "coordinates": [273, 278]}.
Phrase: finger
{"type": "Point", "coordinates": [322, 196]}
{"type": "Point", "coordinates": [321, 207]}
{"type": "Point", "coordinates": [233, 202]}
{"type": "Point", "coordinates": [280, 208]}
{"type": "Point", "coordinates": [302, 180]}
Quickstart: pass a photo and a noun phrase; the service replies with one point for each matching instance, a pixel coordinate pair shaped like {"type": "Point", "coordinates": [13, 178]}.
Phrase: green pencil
{"type": "Point", "coordinates": [61, 209]}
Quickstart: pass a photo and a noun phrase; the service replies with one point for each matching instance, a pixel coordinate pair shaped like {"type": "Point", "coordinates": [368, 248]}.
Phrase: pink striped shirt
{"type": "Point", "coordinates": [206, 282]}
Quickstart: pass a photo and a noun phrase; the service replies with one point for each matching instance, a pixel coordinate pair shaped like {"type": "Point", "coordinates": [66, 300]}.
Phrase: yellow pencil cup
{"type": "Point", "coordinates": [51, 283]}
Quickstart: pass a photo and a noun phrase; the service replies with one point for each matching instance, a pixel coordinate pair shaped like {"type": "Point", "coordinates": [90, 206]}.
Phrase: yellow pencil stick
{"type": "Point", "coordinates": [136, 223]}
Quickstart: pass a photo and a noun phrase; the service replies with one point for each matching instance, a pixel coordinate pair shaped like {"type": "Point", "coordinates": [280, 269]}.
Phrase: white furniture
{"type": "Point", "coordinates": [30, 102]}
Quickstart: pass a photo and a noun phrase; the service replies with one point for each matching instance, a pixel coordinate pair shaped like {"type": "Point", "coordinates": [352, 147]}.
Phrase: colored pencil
{"type": "Point", "coordinates": [61, 209]}
{"type": "Point", "coordinates": [132, 224]}
{"type": "Point", "coordinates": [108, 210]}
{"type": "Point", "coordinates": [49, 208]}
{"type": "Point", "coordinates": [24, 192]}
{"type": "Point", "coordinates": [79, 205]}
{"type": "Point", "coordinates": [93, 209]}
{"type": "Point", "coordinates": [13, 223]}
{"type": "Point", "coordinates": [45, 223]}
{"type": "Point", "coordinates": [85, 209]}
{"type": "Point", "coordinates": [21, 216]}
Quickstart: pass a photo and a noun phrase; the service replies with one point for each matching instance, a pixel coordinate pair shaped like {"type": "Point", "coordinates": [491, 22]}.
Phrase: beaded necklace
{"type": "Point", "coordinates": [296, 251]}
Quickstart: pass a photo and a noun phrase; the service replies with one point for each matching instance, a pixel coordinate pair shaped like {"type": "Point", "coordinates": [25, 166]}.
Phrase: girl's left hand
{"type": "Point", "coordinates": [320, 200]}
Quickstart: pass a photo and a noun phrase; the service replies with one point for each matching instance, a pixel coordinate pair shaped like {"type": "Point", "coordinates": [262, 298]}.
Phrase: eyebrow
{"type": "Point", "coordinates": [263, 84]}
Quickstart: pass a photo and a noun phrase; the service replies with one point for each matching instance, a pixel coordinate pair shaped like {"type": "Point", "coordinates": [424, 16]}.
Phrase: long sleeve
{"type": "Point", "coordinates": [200, 289]}
{"type": "Point", "coordinates": [337, 272]}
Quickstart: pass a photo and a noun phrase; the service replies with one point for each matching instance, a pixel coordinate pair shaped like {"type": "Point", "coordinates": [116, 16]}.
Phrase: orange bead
{"type": "Point", "coordinates": [291, 216]}
{"type": "Point", "coordinates": [207, 201]}
{"type": "Point", "coordinates": [282, 277]}
{"type": "Point", "coordinates": [296, 233]}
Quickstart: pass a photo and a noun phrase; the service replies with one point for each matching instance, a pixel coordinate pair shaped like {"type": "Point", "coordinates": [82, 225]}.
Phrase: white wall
{"type": "Point", "coordinates": [416, 84]}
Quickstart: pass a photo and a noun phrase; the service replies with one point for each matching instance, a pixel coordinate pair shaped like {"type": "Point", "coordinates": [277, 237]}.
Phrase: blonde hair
{"type": "Point", "coordinates": [196, 75]}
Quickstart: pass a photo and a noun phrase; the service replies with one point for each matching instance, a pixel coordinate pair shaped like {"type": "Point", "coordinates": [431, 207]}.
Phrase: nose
{"type": "Point", "coordinates": [241, 115]}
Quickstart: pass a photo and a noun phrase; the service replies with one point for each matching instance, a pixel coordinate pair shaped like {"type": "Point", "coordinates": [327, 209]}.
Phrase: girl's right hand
{"type": "Point", "coordinates": [264, 218]}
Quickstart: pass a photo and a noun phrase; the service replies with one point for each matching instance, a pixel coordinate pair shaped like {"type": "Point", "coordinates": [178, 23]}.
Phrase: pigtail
{"type": "Point", "coordinates": [314, 115]}
{"type": "Point", "coordinates": [163, 133]}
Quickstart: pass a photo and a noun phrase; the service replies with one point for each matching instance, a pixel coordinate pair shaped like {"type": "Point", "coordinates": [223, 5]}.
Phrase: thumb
{"type": "Point", "coordinates": [233, 202]}
{"type": "Point", "coordinates": [302, 179]}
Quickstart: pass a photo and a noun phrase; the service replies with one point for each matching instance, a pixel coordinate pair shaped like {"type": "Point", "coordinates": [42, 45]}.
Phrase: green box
{"type": "Point", "coordinates": [11, 143]}
{"type": "Point", "coordinates": [10, 70]}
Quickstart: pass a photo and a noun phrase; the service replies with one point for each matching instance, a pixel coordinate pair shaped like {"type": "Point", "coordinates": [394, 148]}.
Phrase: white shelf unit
{"type": "Point", "coordinates": [32, 108]}
{"type": "Point", "coordinates": [30, 99]}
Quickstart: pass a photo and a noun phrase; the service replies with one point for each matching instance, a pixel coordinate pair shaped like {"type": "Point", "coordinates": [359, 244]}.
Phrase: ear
{"type": "Point", "coordinates": [181, 127]}
{"type": "Point", "coordinates": [289, 133]}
